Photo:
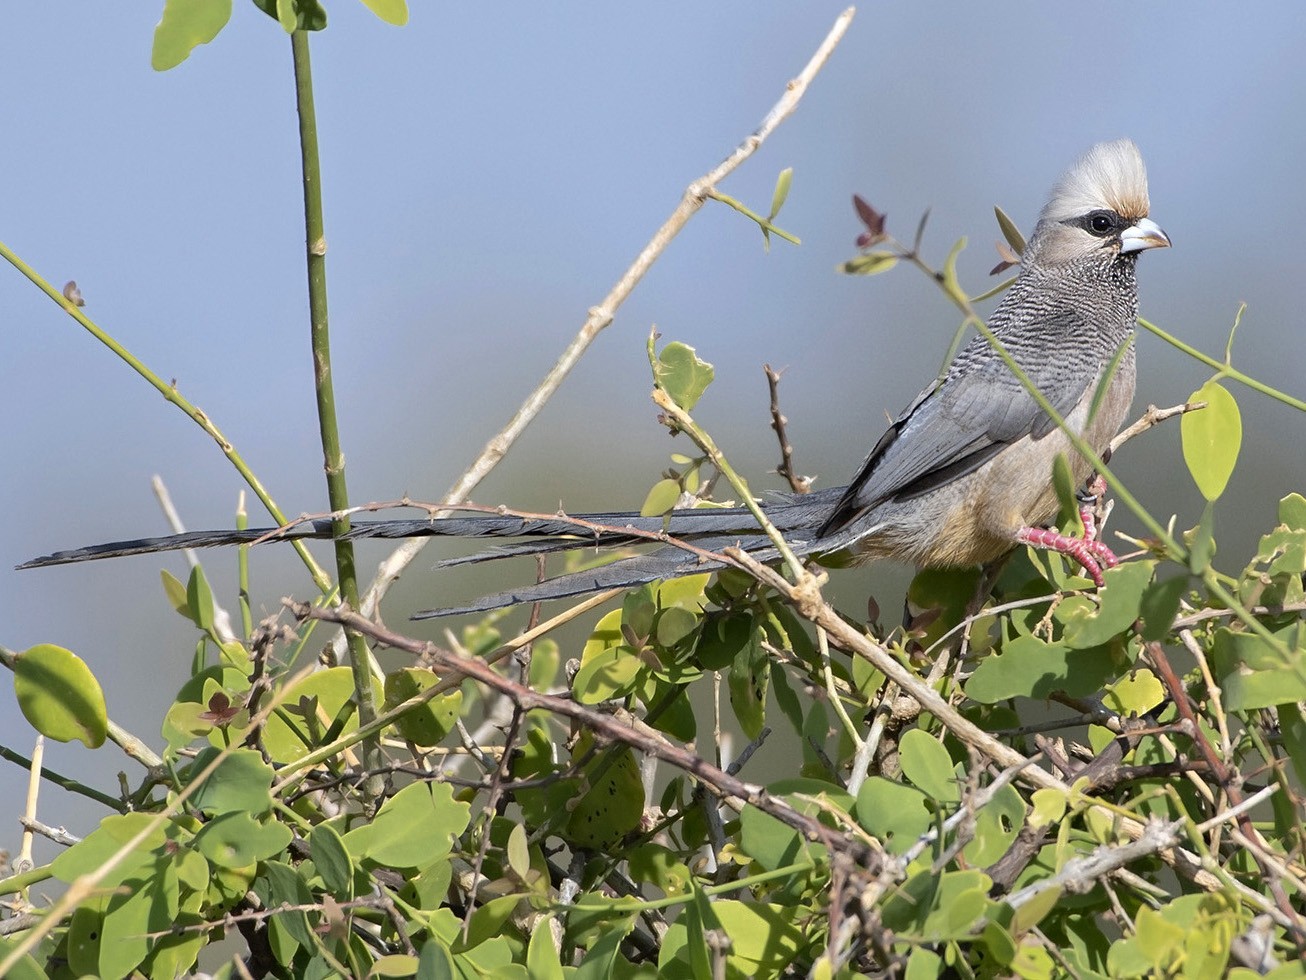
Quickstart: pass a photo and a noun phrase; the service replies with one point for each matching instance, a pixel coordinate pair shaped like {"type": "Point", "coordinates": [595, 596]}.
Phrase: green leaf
{"type": "Point", "coordinates": [1160, 605]}
{"type": "Point", "coordinates": [949, 272]}
{"type": "Point", "coordinates": [25, 968]}
{"type": "Point", "coordinates": [927, 764]}
{"type": "Point", "coordinates": [184, 26]}
{"type": "Point", "coordinates": [542, 961]}
{"type": "Point", "coordinates": [1030, 667]}
{"type": "Point", "coordinates": [996, 825]}
{"type": "Point", "coordinates": [144, 906]}
{"type": "Point", "coordinates": [661, 499]}
{"type": "Point", "coordinates": [782, 185]}
{"type": "Point", "coordinates": [1009, 231]}
{"type": "Point", "coordinates": [1063, 482]}
{"type": "Point", "coordinates": [426, 724]}
{"type": "Point", "coordinates": [242, 781]}
{"type": "Point", "coordinates": [104, 842]}
{"type": "Point", "coordinates": [613, 806]}
{"type": "Point", "coordinates": [1257, 673]}
{"type": "Point", "coordinates": [488, 921]}
{"type": "Point", "coordinates": [763, 938]}
{"type": "Point", "coordinates": [607, 675]}
{"type": "Point", "coordinates": [1049, 806]}
{"type": "Point", "coordinates": [331, 858]}
{"type": "Point", "coordinates": [924, 964]}
{"type": "Point", "coordinates": [1135, 694]}
{"type": "Point", "coordinates": [176, 593]}
{"type": "Point", "coordinates": [326, 696]}
{"type": "Point", "coordinates": [773, 844]}
{"type": "Point", "coordinates": [681, 373]}
{"type": "Point", "coordinates": [894, 814]}
{"type": "Point", "coordinates": [1293, 730]}
{"type": "Point", "coordinates": [1121, 598]}
{"type": "Point", "coordinates": [295, 15]}
{"type": "Point", "coordinates": [674, 626]}
{"type": "Point", "coordinates": [413, 828]}
{"type": "Point", "coordinates": [1211, 438]}
{"type": "Point", "coordinates": [604, 952]}
{"type": "Point", "coordinates": [391, 11]}
{"type": "Point", "coordinates": [1201, 541]}
{"type": "Point", "coordinates": [237, 840]}
{"type": "Point", "coordinates": [518, 851]}
{"type": "Point", "coordinates": [870, 264]}
{"type": "Point", "coordinates": [199, 597]}
{"type": "Point", "coordinates": [749, 677]}
{"type": "Point", "coordinates": [59, 696]}
{"type": "Point", "coordinates": [1292, 512]}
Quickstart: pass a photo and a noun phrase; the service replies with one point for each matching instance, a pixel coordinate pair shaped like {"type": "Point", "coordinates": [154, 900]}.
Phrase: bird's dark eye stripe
{"type": "Point", "coordinates": [1099, 223]}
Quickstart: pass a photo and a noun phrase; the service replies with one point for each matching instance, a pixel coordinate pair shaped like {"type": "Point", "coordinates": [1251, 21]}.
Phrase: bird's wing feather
{"type": "Point", "coordinates": [956, 425]}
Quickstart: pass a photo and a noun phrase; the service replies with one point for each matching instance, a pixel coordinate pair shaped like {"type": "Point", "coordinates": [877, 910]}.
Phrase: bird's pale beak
{"type": "Point", "coordinates": [1143, 233]}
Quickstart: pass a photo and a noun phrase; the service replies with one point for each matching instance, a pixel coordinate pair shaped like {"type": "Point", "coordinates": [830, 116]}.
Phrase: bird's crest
{"type": "Point", "coordinates": [1110, 175]}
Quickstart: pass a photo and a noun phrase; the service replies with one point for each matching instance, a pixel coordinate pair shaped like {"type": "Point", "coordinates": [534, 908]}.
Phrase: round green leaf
{"type": "Point", "coordinates": [430, 722]}
{"type": "Point", "coordinates": [608, 675]}
{"type": "Point", "coordinates": [185, 25]}
{"type": "Point", "coordinates": [59, 696]}
{"type": "Point", "coordinates": [929, 767]}
{"type": "Point", "coordinates": [242, 782]}
{"type": "Point", "coordinates": [413, 828]}
{"type": "Point", "coordinates": [683, 374]}
{"type": "Point", "coordinates": [237, 840]}
{"type": "Point", "coordinates": [661, 498]}
{"type": "Point", "coordinates": [1211, 438]}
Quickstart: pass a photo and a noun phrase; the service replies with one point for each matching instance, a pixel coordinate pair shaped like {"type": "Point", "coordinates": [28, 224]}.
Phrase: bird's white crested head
{"type": "Point", "coordinates": [1110, 176]}
{"type": "Point", "coordinates": [1098, 209]}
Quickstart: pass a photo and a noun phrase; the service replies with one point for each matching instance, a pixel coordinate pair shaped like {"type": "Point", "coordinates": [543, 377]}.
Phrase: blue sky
{"type": "Point", "coordinates": [489, 171]}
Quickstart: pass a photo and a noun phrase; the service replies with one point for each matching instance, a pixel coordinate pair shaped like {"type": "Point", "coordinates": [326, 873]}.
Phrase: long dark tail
{"type": "Point", "coordinates": [711, 529]}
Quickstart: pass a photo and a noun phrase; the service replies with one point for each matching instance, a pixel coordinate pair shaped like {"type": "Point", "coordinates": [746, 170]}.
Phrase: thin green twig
{"type": "Point", "coordinates": [170, 394]}
{"type": "Point", "coordinates": [360, 656]}
{"type": "Point", "coordinates": [1225, 368]}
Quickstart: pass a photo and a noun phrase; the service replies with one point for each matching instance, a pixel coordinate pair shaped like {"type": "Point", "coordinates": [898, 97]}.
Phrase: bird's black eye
{"type": "Point", "coordinates": [1101, 222]}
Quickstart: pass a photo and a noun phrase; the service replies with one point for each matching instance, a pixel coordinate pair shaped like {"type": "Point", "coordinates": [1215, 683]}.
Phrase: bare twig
{"type": "Point", "coordinates": [797, 483]}
{"type": "Point", "coordinates": [1151, 417]}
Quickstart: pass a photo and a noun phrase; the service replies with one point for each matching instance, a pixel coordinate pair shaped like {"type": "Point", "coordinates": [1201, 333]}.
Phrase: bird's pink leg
{"type": "Point", "coordinates": [1094, 490]}
{"type": "Point", "coordinates": [1093, 555]}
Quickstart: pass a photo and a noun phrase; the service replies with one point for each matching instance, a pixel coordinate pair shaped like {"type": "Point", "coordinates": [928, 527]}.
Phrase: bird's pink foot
{"type": "Point", "coordinates": [1089, 499]}
{"type": "Point", "coordinates": [1092, 554]}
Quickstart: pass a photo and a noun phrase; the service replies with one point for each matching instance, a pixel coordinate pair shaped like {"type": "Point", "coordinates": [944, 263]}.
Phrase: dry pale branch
{"type": "Point", "coordinates": [1151, 417]}
{"type": "Point", "coordinates": [601, 315]}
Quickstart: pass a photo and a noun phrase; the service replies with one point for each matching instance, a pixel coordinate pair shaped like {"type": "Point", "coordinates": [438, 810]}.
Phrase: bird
{"type": "Point", "coordinates": [961, 477]}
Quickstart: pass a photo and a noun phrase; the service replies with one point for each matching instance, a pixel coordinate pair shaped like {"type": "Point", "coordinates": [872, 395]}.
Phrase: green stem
{"type": "Point", "coordinates": [170, 394]}
{"type": "Point", "coordinates": [749, 213]}
{"type": "Point", "coordinates": [333, 459]}
{"type": "Point", "coordinates": [71, 785]}
{"type": "Point", "coordinates": [1225, 368]}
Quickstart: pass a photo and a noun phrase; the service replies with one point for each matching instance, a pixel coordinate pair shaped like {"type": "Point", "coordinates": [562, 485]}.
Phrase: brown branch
{"type": "Point", "coordinates": [1230, 782]}
{"type": "Point", "coordinates": [797, 483]}
{"type": "Point", "coordinates": [1151, 417]}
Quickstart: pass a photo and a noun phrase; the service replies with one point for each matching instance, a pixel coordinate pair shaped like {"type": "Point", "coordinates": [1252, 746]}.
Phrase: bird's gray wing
{"type": "Point", "coordinates": [959, 423]}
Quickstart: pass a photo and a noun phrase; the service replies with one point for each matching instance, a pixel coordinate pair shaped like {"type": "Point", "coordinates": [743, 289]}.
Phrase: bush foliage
{"type": "Point", "coordinates": [1026, 776]}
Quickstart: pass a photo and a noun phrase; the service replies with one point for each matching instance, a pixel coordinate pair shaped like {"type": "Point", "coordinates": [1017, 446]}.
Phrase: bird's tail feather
{"type": "Point", "coordinates": [625, 573]}
{"type": "Point", "coordinates": [711, 529]}
{"type": "Point", "coordinates": [788, 511]}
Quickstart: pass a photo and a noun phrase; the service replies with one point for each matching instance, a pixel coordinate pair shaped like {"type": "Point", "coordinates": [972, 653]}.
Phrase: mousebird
{"type": "Point", "coordinates": [962, 476]}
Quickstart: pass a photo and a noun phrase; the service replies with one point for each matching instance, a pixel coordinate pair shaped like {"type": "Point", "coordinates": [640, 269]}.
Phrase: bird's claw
{"type": "Point", "coordinates": [1090, 553]}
